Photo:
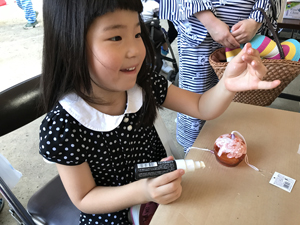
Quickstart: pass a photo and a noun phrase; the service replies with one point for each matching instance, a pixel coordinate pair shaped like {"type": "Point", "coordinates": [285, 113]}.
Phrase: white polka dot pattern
{"type": "Point", "coordinates": [111, 155]}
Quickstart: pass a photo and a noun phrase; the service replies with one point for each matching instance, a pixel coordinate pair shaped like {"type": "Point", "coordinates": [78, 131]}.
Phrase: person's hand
{"type": "Point", "coordinates": [245, 72]}
{"type": "Point", "coordinates": [165, 188]}
{"type": "Point", "coordinates": [219, 31]}
{"type": "Point", "coordinates": [245, 30]}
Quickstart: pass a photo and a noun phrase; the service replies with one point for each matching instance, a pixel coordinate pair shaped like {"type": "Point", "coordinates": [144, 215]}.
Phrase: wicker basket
{"type": "Point", "coordinates": [283, 70]}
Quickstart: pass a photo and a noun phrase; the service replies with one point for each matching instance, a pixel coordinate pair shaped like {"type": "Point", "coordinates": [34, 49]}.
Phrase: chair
{"type": "Point", "coordinates": [50, 205]}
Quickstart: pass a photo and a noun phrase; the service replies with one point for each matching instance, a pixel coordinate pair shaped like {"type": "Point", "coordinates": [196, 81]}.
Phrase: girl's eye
{"type": "Point", "coordinates": [116, 38]}
{"type": "Point", "coordinates": [138, 35]}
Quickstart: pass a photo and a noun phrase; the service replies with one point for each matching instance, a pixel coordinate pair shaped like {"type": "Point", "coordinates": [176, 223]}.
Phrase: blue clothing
{"type": "Point", "coordinates": [195, 45]}
{"type": "Point", "coordinates": [26, 6]}
{"type": "Point", "coordinates": [182, 13]}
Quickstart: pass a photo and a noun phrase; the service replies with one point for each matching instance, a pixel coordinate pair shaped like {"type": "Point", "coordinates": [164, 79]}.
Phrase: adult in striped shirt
{"type": "Point", "coordinates": [204, 26]}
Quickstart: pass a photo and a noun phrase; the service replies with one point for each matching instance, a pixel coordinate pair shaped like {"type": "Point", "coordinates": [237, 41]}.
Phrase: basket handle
{"type": "Point", "coordinates": [270, 26]}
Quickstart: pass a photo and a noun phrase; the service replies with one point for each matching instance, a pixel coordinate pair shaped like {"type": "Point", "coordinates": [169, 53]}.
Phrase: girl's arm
{"type": "Point", "coordinates": [89, 198]}
{"type": "Point", "coordinates": [243, 73]}
{"type": "Point", "coordinates": [218, 30]}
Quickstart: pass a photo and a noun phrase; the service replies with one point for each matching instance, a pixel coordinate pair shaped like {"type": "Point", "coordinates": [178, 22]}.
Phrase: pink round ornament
{"type": "Point", "coordinates": [230, 149]}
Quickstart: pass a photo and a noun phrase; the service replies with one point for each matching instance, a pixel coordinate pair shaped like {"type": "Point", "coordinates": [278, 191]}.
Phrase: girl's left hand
{"type": "Point", "coordinates": [244, 30]}
{"type": "Point", "coordinates": [245, 72]}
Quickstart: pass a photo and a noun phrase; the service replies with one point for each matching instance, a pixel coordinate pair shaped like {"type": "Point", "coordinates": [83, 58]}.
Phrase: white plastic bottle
{"type": "Point", "coordinates": [155, 169]}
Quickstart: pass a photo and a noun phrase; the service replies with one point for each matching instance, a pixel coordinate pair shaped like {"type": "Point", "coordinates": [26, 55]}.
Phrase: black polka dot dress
{"type": "Point", "coordinates": [74, 132]}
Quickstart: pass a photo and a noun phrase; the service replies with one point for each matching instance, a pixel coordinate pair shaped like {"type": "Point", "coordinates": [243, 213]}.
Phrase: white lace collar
{"type": "Point", "coordinates": [98, 121]}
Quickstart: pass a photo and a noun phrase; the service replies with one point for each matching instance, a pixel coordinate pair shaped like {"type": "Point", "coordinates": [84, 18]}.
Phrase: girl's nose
{"type": "Point", "coordinates": [133, 48]}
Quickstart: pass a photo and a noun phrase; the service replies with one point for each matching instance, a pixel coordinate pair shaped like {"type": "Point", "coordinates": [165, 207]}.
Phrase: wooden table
{"type": "Point", "coordinates": [289, 24]}
{"type": "Point", "coordinates": [240, 195]}
{"type": "Point", "coordinates": [293, 24]}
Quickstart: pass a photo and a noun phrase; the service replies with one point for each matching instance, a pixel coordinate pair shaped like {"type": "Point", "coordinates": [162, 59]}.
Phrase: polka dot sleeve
{"type": "Point", "coordinates": [159, 88]}
{"type": "Point", "coordinates": [61, 140]}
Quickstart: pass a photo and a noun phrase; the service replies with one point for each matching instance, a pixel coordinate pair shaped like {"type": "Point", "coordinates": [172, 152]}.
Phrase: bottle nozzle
{"type": "Point", "coordinates": [200, 164]}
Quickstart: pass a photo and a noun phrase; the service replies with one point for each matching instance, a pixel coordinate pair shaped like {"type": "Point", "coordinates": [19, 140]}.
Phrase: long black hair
{"type": "Point", "coordinates": [65, 66]}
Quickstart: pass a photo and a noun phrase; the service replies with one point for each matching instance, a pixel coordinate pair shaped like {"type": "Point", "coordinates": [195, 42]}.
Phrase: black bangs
{"type": "Point", "coordinates": [96, 8]}
{"type": "Point", "coordinates": [100, 7]}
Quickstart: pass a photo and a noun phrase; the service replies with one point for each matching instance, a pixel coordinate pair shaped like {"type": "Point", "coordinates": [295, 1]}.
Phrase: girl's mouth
{"type": "Point", "coordinates": [128, 69]}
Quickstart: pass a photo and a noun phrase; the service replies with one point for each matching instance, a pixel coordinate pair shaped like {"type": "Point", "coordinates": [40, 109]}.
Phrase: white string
{"type": "Point", "coordinates": [241, 136]}
{"type": "Point", "coordinates": [203, 149]}
{"type": "Point", "coordinates": [211, 151]}
{"type": "Point", "coordinates": [246, 157]}
{"type": "Point", "coordinates": [247, 162]}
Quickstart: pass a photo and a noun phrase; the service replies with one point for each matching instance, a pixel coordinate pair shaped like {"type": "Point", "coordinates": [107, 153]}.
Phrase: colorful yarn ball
{"type": "Point", "coordinates": [268, 49]}
{"type": "Point", "coordinates": [291, 49]}
{"type": "Point", "coordinates": [230, 53]}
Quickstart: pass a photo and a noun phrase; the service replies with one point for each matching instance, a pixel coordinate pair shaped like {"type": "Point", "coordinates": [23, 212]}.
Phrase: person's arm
{"type": "Point", "coordinates": [256, 14]}
{"type": "Point", "coordinates": [218, 30]}
{"type": "Point", "coordinates": [175, 10]}
{"type": "Point", "coordinates": [89, 198]}
{"type": "Point", "coordinates": [245, 30]}
{"type": "Point", "coordinates": [243, 73]}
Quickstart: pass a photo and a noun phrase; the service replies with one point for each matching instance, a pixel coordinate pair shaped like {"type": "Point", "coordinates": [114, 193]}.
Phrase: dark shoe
{"type": "Point", "coordinates": [1, 204]}
{"type": "Point", "coordinates": [31, 25]}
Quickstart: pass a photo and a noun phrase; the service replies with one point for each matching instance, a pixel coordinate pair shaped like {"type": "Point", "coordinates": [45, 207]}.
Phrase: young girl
{"type": "Point", "coordinates": [102, 95]}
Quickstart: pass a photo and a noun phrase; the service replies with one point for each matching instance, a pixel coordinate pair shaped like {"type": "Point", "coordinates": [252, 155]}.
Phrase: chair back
{"type": "Point", "coordinates": [20, 105]}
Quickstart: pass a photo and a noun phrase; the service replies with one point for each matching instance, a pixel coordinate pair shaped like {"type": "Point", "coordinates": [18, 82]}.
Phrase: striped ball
{"type": "Point", "coordinates": [230, 53]}
{"type": "Point", "coordinates": [291, 49]}
{"type": "Point", "coordinates": [268, 49]}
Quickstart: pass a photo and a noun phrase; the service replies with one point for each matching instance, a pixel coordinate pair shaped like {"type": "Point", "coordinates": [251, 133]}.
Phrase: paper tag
{"type": "Point", "coordinates": [284, 182]}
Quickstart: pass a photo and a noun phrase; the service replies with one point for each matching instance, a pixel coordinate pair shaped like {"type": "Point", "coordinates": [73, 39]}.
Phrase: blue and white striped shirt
{"type": "Point", "coordinates": [181, 13]}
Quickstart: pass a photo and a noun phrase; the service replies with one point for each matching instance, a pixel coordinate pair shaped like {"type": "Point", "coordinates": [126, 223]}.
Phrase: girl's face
{"type": "Point", "coordinates": [115, 51]}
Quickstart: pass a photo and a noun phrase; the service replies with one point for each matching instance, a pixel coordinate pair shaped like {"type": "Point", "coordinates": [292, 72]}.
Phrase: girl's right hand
{"type": "Point", "coordinates": [165, 188]}
{"type": "Point", "coordinates": [246, 71]}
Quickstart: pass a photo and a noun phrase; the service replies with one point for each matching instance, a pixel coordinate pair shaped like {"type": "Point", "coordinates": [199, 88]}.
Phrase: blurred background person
{"type": "Point", "coordinates": [30, 14]}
